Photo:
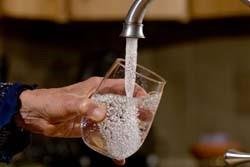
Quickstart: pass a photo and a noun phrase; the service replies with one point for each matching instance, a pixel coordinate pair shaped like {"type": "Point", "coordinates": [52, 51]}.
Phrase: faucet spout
{"type": "Point", "coordinates": [233, 157]}
{"type": "Point", "coordinates": [133, 27]}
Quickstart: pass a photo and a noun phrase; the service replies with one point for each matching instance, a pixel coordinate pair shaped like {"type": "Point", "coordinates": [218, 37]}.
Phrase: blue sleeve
{"type": "Point", "coordinates": [12, 138]}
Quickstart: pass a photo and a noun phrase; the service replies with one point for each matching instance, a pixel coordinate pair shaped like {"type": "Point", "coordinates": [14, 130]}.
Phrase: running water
{"type": "Point", "coordinates": [130, 65]}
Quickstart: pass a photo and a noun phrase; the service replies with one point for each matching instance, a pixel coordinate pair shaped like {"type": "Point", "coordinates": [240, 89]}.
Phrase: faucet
{"type": "Point", "coordinates": [133, 27]}
{"type": "Point", "coordinates": [233, 157]}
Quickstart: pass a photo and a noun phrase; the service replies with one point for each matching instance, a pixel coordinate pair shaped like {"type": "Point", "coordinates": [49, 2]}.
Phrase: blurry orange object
{"type": "Point", "coordinates": [213, 145]}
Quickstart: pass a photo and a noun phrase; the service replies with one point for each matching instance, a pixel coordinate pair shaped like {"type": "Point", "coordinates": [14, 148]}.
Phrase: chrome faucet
{"type": "Point", "coordinates": [233, 157]}
{"type": "Point", "coordinates": [133, 27]}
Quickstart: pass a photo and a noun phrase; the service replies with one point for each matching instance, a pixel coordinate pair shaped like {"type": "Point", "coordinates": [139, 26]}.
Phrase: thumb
{"type": "Point", "coordinates": [91, 110]}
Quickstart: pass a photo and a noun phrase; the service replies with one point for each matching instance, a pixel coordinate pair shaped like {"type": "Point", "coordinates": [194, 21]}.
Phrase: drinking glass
{"type": "Point", "coordinates": [128, 119]}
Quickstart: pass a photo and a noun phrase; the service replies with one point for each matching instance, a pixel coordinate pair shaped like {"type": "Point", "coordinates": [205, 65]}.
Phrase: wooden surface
{"type": "Point", "coordinates": [218, 8]}
{"type": "Point", "coordinates": [35, 9]}
{"type": "Point", "coordinates": [117, 9]}
{"type": "Point", "coordinates": [98, 9]}
{"type": "Point", "coordinates": [110, 10]}
{"type": "Point", "coordinates": [169, 10]}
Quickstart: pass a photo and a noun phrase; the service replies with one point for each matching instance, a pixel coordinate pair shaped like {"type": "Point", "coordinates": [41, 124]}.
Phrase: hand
{"type": "Point", "coordinates": [57, 112]}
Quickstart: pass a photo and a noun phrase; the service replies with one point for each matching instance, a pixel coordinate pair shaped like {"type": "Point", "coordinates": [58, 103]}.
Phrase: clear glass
{"type": "Point", "coordinates": [128, 120]}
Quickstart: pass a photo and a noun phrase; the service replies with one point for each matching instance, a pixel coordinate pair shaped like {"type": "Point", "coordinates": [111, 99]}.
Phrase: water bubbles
{"type": "Point", "coordinates": [125, 127]}
{"type": "Point", "coordinates": [120, 129]}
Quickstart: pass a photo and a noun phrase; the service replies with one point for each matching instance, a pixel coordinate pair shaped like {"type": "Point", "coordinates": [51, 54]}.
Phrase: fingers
{"type": "Point", "coordinates": [75, 106]}
{"type": "Point", "coordinates": [91, 110]}
{"type": "Point", "coordinates": [119, 162]}
{"type": "Point", "coordinates": [114, 86]}
{"type": "Point", "coordinates": [69, 129]}
{"type": "Point", "coordinates": [139, 91]}
{"type": "Point", "coordinates": [87, 87]}
{"type": "Point", "coordinates": [117, 86]}
{"type": "Point", "coordinates": [145, 115]}
{"type": "Point", "coordinates": [35, 125]}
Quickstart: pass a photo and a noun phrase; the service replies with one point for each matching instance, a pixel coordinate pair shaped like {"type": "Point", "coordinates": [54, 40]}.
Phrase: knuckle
{"type": "Point", "coordinates": [85, 105]}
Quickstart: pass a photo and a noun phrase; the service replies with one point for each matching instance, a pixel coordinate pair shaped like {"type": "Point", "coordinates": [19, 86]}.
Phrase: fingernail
{"type": "Point", "coordinates": [97, 114]}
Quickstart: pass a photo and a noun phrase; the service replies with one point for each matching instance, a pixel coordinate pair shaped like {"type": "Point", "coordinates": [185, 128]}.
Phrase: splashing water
{"type": "Point", "coordinates": [130, 65]}
{"type": "Point", "coordinates": [126, 125]}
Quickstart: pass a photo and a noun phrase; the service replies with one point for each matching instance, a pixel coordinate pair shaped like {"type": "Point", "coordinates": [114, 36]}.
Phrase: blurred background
{"type": "Point", "coordinates": [201, 47]}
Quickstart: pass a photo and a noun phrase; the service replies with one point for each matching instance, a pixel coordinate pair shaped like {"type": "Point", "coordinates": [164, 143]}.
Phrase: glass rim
{"type": "Point", "coordinates": [160, 81]}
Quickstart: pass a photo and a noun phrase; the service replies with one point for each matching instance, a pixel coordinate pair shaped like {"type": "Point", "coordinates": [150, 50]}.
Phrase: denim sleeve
{"type": "Point", "coordinates": [12, 138]}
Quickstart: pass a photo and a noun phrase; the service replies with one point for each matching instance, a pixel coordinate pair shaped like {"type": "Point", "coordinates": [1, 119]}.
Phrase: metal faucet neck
{"type": "Point", "coordinates": [133, 27]}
